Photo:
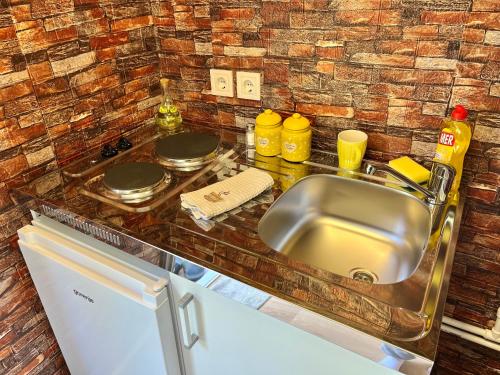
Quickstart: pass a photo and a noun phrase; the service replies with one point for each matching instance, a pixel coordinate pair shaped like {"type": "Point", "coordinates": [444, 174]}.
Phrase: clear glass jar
{"type": "Point", "coordinates": [168, 116]}
{"type": "Point", "coordinates": [268, 133]}
{"type": "Point", "coordinates": [296, 137]}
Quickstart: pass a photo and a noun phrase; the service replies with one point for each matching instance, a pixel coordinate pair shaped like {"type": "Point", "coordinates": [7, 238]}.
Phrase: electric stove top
{"type": "Point", "coordinates": [154, 169]}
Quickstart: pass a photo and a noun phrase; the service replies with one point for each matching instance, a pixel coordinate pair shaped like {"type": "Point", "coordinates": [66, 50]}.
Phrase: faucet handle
{"type": "Point", "coordinates": [440, 181]}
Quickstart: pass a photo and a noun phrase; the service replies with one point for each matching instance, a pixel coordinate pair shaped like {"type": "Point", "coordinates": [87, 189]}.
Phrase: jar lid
{"type": "Point", "coordinates": [268, 118]}
{"type": "Point", "coordinates": [296, 122]}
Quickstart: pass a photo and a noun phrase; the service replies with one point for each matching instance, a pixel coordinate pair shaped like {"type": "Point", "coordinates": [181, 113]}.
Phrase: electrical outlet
{"type": "Point", "coordinates": [221, 82]}
{"type": "Point", "coordinates": [248, 85]}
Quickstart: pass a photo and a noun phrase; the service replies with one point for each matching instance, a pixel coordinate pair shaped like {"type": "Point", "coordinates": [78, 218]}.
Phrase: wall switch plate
{"type": "Point", "coordinates": [248, 85]}
{"type": "Point", "coordinates": [221, 82]}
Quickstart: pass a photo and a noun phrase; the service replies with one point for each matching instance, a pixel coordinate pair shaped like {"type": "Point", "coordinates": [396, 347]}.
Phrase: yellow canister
{"type": "Point", "coordinates": [296, 138]}
{"type": "Point", "coordinates": [268, 133]}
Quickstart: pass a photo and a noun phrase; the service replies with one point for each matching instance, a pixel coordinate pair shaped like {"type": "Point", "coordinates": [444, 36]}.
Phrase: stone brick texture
{"type": "Point", "coordinates": [73, 74]}
{"type": "Point", "coordinates": [77, 73]}
{"type": "Point", "coordinates": [392, 68]}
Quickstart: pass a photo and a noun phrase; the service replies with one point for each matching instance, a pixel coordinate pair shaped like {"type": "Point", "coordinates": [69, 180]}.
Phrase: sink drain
{"type": "Point", "coordinates": [363, 275]}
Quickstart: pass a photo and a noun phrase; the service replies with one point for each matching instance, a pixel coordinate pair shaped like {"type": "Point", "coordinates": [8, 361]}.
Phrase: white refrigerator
{"type": "Point", "coordinates": [110, 311]}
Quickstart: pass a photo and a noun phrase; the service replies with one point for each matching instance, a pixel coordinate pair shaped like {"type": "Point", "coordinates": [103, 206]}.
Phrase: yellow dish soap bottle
{"type": "Point", "coordinates": [453, 143]}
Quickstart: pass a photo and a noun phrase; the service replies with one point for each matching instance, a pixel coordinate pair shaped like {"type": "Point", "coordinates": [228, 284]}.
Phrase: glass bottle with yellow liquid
{"type": "Point", "coordinates": [453, 143]}
{"type": "Point", "coordinates": [168, 116]}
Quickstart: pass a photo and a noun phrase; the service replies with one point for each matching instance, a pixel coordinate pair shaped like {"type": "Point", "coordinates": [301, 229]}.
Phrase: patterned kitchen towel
{"type": "Point", "coordinates": [225, 195]}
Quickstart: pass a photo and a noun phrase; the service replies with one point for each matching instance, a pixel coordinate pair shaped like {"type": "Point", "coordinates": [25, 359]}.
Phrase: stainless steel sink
{"type": "Point", "coordinates": [350, 227]}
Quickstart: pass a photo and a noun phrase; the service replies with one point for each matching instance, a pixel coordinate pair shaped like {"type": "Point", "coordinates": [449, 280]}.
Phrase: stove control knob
{"type": "Point", "coordinates": [108, 151]}
{"type": "Point", "coordinates": [123, 144]}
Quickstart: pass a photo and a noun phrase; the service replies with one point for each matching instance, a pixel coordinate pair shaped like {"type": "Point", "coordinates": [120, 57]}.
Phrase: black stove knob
{"type": "Point", "coordinates": [123, 144]}
{"type": "Point", "coordinates": [108, 151]}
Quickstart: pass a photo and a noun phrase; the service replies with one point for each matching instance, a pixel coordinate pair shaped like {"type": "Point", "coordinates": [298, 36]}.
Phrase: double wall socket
{"type": "Point", "coordinates": [247, 84]}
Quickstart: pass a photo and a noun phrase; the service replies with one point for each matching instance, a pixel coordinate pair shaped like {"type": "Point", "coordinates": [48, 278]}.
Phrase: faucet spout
{"type": "Point", "coordinates": [439, 185]}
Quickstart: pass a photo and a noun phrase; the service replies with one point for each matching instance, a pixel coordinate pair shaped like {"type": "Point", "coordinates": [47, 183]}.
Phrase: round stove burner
{"type": "Point", "coordinates": [133, 177]}
{"type": "Point", "coordinates": [187, 151]}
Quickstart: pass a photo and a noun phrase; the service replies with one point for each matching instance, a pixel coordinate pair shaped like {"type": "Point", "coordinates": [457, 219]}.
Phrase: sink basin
{"type": "Point", "coordinates": [353, 228]}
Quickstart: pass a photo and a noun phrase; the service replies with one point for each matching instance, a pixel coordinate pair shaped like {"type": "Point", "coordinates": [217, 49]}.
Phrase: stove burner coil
{"type": "Point", "coordinates": [135, 182]}
{"type": "Point", "coordinates": [187, 151]}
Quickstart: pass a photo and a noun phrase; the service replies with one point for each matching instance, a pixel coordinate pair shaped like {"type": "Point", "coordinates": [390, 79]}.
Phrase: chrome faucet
{"type": "Point", "coordinates": [440, 181]}
{"type": "Point", "coordinates": [436, 193]}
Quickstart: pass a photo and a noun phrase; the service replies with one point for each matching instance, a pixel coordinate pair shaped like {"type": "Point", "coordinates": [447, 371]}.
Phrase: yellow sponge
{"type": "Point", "coordinates": [410, 169]}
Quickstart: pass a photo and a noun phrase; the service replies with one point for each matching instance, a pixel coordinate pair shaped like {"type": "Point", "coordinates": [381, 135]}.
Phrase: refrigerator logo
{"type": "Point", "coordinates": [87, 298]}
{"type": "Point", "coordinates": [447, 139]}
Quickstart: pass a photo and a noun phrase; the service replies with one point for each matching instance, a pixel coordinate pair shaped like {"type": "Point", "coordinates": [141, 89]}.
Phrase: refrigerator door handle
{"type": "Point", "coordinates": [129, 281]}
{"type": "Point", "coordinates": [189, 328]}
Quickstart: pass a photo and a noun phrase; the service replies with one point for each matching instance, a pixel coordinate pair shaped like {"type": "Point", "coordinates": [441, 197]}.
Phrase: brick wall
{"type": "Point", "coordinates": [393, 68]}
{"type": "Point", "coordinates": [75, 73]}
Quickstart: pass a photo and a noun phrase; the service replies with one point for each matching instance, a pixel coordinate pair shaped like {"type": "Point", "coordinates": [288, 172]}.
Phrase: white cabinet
{"type": "Point", "coordinates": [112, 314]}
{"type": "Point", "coordinates": [235, 339]}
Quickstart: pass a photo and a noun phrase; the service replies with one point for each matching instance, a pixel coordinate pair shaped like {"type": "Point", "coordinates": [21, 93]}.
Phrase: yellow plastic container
{"type": "Point", "coordinates": [296, 138]}
{"type": "Point", "coordinates": [268, 133]}
{"type": "Point", "coordinates": [453, 143]}
{"type": "Point", "coordinates": [351, 147]}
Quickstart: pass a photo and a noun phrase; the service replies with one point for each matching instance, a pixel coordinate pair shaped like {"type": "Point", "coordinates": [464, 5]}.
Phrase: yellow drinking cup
{"type": "Point", "coordinates": [351, 147]}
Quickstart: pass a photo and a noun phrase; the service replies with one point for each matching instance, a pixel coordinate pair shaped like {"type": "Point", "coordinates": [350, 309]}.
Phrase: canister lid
{"type": "Point", "coordinates": [296, 122]}
{"type": "Point", "coordinates": [268, 118]}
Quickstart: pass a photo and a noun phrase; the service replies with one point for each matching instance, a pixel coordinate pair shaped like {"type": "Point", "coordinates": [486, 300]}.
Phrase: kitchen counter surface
{"type": "Point", "coordinates": [230, 245]}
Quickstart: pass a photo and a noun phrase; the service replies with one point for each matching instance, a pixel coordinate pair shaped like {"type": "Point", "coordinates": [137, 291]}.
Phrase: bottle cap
{"type": "Point", "coordinates": [459, 113]}
{"type": "Point", "coordinates": [164, 82]}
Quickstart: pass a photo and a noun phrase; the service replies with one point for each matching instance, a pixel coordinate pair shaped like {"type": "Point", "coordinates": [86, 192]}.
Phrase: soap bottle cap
{"type": "Point", "coordinates": [459, 113]}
